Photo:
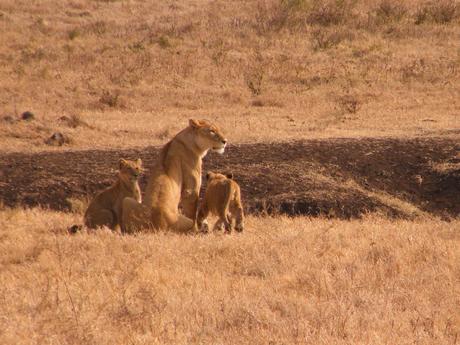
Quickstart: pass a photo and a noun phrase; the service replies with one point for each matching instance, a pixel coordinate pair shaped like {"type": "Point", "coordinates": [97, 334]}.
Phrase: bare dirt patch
{"type": "Point", "coordinates": [342, 178]}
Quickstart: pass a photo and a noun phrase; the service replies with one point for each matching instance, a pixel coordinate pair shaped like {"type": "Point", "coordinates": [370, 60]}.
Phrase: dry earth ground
{"type": "Point", "coordinates": [337, 178]}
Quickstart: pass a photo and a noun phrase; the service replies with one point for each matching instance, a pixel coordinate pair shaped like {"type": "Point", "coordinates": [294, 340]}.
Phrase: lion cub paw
{"type": "Point", "coordinates": [204, 228]}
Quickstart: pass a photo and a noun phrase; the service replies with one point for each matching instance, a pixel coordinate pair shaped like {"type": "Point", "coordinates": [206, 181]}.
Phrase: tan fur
{"type": "Point", "coordinates": [176, 173]}
{"type": "Point", "coordinates": [223, 199]}
{"type": "Point", "coordinates": [105, 208]}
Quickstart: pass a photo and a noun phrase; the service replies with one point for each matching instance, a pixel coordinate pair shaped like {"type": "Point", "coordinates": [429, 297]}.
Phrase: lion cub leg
{"type": "Point", "coordinates": [99, 218]}
{"type": "Point", "coordinates": [238, 216]}
{"type": "Point", "coordinates": [224, 221]}
{"type": "Point", "coordinates": [201, 219]}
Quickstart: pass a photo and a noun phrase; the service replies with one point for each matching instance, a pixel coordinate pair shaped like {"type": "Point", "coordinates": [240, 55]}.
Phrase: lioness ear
{"type": "Point", "coordinates": [209, 175]}
{"type": "Point", "coordinates": [230, 175]}
{"type": "Point", "coordinates": [139, 162]}
{"type": "Point", "coordinates": [121, 163]}
{"type": "Point", "coordinates": [193, 123]}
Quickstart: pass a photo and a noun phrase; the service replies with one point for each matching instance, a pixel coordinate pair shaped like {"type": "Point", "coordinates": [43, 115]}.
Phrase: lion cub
{"type": "Point", "coordinates": [223, 199]}
{"type": "Point", "coordinates": [105, 208]}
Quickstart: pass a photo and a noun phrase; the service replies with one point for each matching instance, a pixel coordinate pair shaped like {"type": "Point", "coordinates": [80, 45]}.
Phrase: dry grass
{"type": "Point", "coordinates": [284, 281]}
{"type": "Point", "coordinates": [130, 69]}
{"type": "Point", "coordinates": [129, 73]}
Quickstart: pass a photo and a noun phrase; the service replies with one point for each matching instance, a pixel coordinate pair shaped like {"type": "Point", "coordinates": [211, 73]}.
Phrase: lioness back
{"type": "Point", "coordinates": [105, 209]}
{"type": "Point", "coordinates": [223, 199]}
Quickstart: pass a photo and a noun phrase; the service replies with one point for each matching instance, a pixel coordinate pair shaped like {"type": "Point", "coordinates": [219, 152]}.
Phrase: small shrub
{"type": "Point", "coordinates": [254, 82]}
{"type": "Point", "coordinates": [441, 12]}
{"type": "Point", "coordinates": [219, 53]}
{"type": "Point", "coordinates": [255, 73]}
{"type": "Point", "coordinates": [330, 12]}
{"type": "Point", "coordinates": [164, 134]}
{"type": "Point", "coordinates": [73, 34]}
{"type": "Point", "coordinates": [99, 27]}
{"type": "Point", "coordinates": [298, 13]}
{"type": "Point", "coordinates": [58, 139]}
{"type": "Point", "coordinates": [27, 116]}
{"type": "Point", "coordinates": [110, 98]}
{"type": "Point", "coordinates": [445, 12]}
{"type": "Point", "coordinates": [322, 38]}
{"type": "Point", "coordinates": [8, 119]}
{"type": "Point", "coordinates": [270, 18]}
{"type": "Point", "coordinates": [164, 42]}
{"type": "Point", "coordinates": [266, 102]}
{"type": "Point", "coordinates": [29, 54]}
{"type": "Point", "coordinates": [413, 70]}
{"type": "Point", "coordinates": [349, 103]}
{"type": "Point", "coordinates": [136, 46]}
{"type": "Point", "coordinates": [74, 121]}
{"type": "Point", "coordinates": [257, 102]}
{"type": "Point", "coordinates": [389, 11]}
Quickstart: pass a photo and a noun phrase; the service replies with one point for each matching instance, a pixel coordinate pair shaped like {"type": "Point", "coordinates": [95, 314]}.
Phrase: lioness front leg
{"type": "Point", "coordinates": [189, 204]}
{"type": "Point", "coordinates": [191, 196]}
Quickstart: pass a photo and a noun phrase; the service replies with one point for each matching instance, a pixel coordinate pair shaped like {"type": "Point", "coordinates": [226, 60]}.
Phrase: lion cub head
{"type": "Point", "coordinates": [210, 175]}
{"type": "Point", "coordinates": [129, 171]}
{"type": "Point", "coordinates": [208, 136]}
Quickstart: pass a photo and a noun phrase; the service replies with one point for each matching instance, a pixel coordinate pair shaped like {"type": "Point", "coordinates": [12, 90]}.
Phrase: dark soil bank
{"type": "Point", "coordinates": [343, 178]}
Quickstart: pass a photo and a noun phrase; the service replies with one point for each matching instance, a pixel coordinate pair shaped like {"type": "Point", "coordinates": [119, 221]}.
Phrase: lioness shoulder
{"type": "Point", "coordinates": [223, 199]}
{"type": "Point", "coordinates": [105, 208]}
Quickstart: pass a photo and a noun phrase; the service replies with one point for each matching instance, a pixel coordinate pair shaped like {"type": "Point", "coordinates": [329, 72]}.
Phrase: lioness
{"type": "Point", "coordinates": [223, 199]}
{"type": "Point", "coordinates": [105, 208]}
{"type": "Point", "coordinates": [177, 172]}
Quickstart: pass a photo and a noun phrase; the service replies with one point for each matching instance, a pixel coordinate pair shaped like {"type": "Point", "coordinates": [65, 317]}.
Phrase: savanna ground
{"type": "Point", "coordinates": [344, 114]}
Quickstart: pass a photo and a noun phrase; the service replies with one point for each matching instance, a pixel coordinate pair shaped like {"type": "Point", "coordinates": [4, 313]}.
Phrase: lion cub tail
{"type": "Point", "coordinates": [74, 229]}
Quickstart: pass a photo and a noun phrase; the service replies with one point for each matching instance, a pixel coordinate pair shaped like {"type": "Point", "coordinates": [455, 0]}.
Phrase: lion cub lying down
{"type": "Point", "coordinates": [223, 199]}
{"type": "Point", "coordinates": [105, 208]}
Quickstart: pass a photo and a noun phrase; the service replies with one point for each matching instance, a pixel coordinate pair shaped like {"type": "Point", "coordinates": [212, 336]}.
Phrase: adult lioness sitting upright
{"type": "Point", "coordinates": [176, 173]}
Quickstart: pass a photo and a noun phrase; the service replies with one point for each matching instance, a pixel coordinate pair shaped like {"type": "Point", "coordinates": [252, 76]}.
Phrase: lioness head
{"type": "Point", "coordinates": [208, 136]}
{"type": "Point", "coordinates": [130, 170]}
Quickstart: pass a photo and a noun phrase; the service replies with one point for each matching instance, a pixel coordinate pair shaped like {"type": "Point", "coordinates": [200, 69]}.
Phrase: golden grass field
{"type": "Point", "coordinates": [283, 281]}
{"type": "Point", "coordinates": [127, 74]}
{"type": "Point", "coordinates": [132, 72]}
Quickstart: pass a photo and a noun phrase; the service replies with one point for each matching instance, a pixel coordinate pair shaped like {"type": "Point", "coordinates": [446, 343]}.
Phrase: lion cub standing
{"type": "Point", "coordinates": [105, 208]}
{"type": "Point", "coordinates": [223, 199]}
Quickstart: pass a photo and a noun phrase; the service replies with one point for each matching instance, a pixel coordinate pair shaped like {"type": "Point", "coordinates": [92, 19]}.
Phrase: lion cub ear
{"type": "Point", "coordinates": [229, 175]}
{"type": "Point", "coordinates": [122, 163]}
{"type": "Point", "coordinates": [209, 175]}
{"type": "Point", "coordinates": [139, 162]}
